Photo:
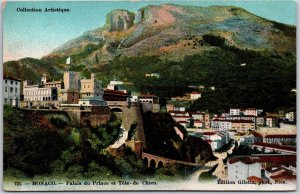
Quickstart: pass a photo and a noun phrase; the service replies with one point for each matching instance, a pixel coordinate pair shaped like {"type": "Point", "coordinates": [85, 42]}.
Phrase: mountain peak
{"type": "Point", "coordinates": [119, 20]}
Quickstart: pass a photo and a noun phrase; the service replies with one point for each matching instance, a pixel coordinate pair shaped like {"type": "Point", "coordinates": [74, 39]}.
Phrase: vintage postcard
{"type": "Point", "coordinates": [149, 95]}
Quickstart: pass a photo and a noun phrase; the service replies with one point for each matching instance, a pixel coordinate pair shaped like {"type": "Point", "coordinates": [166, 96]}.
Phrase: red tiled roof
{"type": "Point", "coordinates": [240, 116]}
{"type": "Point", "coordinates": [207, 140]}
{"type": "Point", "coordinates": [277, 159]}
{"type": "Point", "coordinates": [181, 117]}
{"type": "Point", "coordinates": [197, 121]}
{"type": "Point", "coordinates": [196, 113]}
{"type": "Point", "coordinates": [275, 146]}
{"type": "Point", "coordinates": [222, 120]}
{"type": "Point", "coordinates": [209, 133]}
{"type": "Point", "coordinates": [281, 136]}
{"type": "Point", "coordinates": [10, 77]}
{"type": "Point", "coordinates": [256, 134]}
{"type": "Point", "coordinates": [242, 121]}
{"type": "Point", "coordinates": [285, 175]}
{"type": "Point", "coordinates": [245, 160]}
{"type": "Point", "coordinates": [273, 168]}
{"type": "Point", "coordinates": [147, 95]}
{"type": "Point", "coordinates": [254, 179]}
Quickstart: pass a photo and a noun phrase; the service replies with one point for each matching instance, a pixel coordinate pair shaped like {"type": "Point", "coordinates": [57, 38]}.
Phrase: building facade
{"type": "Point", "coordinates": [91, 87]}
{"type": "Point", "coordinates": [11, 90]}
{"type": "Point", "coordinates": [242, 168]}
{"type": "Point", "coordinates": [37, 93]}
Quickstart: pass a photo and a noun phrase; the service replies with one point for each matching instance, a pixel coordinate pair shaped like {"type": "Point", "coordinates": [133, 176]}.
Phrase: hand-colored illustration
{"type": "Point", "coordinates": [149, 95]}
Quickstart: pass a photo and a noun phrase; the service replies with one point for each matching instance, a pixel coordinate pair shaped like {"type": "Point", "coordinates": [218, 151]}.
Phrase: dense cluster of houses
{"type": "Point", "coordinates": [216, 139]}
{"type": "Point", "coordinates": [262, 168]}
{"type": "Point", "coordinates": [277, 160]}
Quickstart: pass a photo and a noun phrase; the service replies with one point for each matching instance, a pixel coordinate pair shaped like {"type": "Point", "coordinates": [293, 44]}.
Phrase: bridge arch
{"type": "Point", "coordinates": [160, 164]}
{"type": "Point", "coordinates": [152, 163]}
{"type": "Point", "coordinates": [146, 162]}
{"type": "Point", "coordinates": [116, 109]}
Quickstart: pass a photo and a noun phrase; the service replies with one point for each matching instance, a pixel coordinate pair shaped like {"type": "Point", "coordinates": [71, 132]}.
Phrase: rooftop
{"type": "Point", "coordinates": [256, 134]}
{"type": "Point", "coordinates": [10, 77]}
{"type": "Point", "coordinates": [147, 95]}
{"type": "Point", "coordinates": [254, 179]}
{"type": "Point", "coordinates": [285, 175]}
{"type": "Point", "coordinates": [245, 160]}
{"type": "Point", "coordinates": [181, 116]}
{"type": "Point", "coordinates": [281, 136]}
{"type": "Point", "coordinates": [209, 133]}
{"type": "Point", "coordinates": [277, 158]}
{"type": "Point", "coordinates": [242, 121]}
{"type": "Point", "coordinates": [275, 146]}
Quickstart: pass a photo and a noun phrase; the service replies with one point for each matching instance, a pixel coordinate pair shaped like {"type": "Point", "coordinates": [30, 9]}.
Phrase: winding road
{"type": "Point", "coordinates": [220, 171]}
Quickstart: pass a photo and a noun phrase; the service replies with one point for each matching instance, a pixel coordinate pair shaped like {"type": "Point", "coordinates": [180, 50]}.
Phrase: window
{"type": "Point", "coordinates": [6, 81]}
{"type": "Point", "coordinates": [11, 89]}
{"type": "Point", "coordinates": [11, 82]}
{"type": "Point", "coordinates": [5, 88]}
{"type": "Point", "coordinates": [5, 99]}
{"type": "Point", "coordinates": [16, 90]}
{"type": "Point", "coordinates": [16, 83]}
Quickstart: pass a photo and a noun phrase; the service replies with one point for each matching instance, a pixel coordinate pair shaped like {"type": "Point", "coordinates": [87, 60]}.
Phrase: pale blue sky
{"type": "Point", "coordinates": [32, 34]}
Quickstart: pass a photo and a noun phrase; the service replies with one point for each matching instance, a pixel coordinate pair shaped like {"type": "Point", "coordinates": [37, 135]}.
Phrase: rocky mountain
{"type": "Point", "coordinates": [119, 20]}
{"type": "Point", "coordinates": [174, 31]}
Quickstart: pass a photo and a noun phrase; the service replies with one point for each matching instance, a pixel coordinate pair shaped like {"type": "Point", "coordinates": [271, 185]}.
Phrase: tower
{"type": "Point", "coordinates": [44, 79]}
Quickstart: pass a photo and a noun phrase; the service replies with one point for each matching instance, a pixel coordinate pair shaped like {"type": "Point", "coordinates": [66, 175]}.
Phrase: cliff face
{"type": "Point", "coordinates": [119, 20]}
{"type": "Point", "coordinates": [162, 139]}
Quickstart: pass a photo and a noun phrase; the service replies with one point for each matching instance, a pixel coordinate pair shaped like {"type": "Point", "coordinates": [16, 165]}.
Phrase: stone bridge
{"type": "Point", "coordinates": [158, 161]}
{"type": "Point", "coordinates": [129, 115]}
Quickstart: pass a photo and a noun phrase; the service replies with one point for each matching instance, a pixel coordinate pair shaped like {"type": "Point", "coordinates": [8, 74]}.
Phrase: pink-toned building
{"type": "Point", "coordinates": [195, 95]}
{"type": "Point", "coordinates": [271, 121]}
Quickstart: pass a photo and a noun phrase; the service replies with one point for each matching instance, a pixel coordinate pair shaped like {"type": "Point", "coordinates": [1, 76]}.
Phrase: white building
{"type": "Point", "coordinates": [181, 118]}
{"type": "Point", "coordinates": [179, 108]}
{"type": "Point", "coordinates": [220, 125]}
{"type": "Point", "coordinates": [116, 85]}
{"type": "Point", "coordinates": [242, 168]}
{"type": "Point", "coordinates": [195, 95]}
{"type": "Point", "coordinates": [11, 90]}
{"type": "Point", "coordinates": [216, 139]}
{"type": "Point", "coordinates": [178, 113]}
{"type": "Point", "coordinates": [247, 140]}
{"type": "Point", "coordinates": [271, 121]}
{"type": "Point", "coordinates": [92, 101]}
{"type": "Point", "coordinates": [197, 115]}
{"type": "Point", "coordinates": [35, 93]}
{"type": "Point", "coordinates": [148, 98]}
{"type": "Point", "coordinates": [290, 116]}
{"type": "Point", "coordinates": [280, 138]}
{"type": "Point", "coordinates": [235, 111]}
{"type": "Point", "coordinates": [250, 112]}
